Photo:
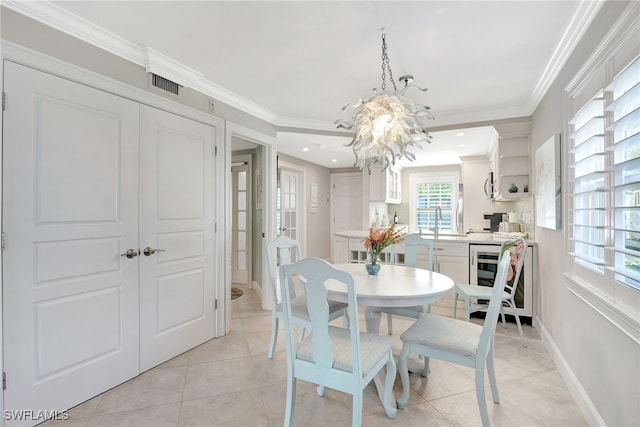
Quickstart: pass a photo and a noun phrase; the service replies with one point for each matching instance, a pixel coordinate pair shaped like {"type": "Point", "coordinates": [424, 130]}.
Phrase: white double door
{"type": "Point", "coordinates": [87, 178]}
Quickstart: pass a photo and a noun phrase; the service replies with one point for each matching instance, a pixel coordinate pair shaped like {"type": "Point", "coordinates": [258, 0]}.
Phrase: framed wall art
{"type": "Point", "coordinates": [549, 184]}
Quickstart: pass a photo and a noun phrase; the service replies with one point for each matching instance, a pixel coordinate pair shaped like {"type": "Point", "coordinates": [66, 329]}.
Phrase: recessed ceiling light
{"type": "Point", "coordinates": [461, 145]}
{"type": "Point", "coordinates": [460, 134]}
{"type": "Point", "coordinates": [334, 160]}
{"type": "Point", "coordinates": [305, 149]}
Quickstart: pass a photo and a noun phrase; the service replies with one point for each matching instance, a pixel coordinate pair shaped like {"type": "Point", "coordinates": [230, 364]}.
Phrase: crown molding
{"type": "Point", "coordinates": [582, 18]}
{"type": "Point", "coordinates": [153, 61]}
{"type": "Point", "coordinates": [626, 27]}
{"type": "Point", "coordinates": [61, 20]}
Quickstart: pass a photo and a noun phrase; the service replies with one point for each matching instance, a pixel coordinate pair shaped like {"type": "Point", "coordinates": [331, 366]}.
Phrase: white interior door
{"type": "Point", "coordinates": [70, 188]}
{"type": "Point", "coordinates": [241, 223]}
{"type": "Point", "coordinates": [289, 203]}
{"type": "Point", "coordinates": [177, 286]}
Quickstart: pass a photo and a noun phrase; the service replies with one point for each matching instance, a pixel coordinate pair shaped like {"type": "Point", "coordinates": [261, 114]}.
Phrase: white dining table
{"type": "Point", "coordinates": [393, 286]}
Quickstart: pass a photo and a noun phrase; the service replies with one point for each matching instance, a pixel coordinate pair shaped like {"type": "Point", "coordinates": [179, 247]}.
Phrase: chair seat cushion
{"type": "Point", "coordinates": [299, 307]}
{"type": "Point", "coordinates": [373, 347]}
{"type": "Point", "coordinates": [473, 291]}
{"type": "Point", "coordinates": [445, 333]}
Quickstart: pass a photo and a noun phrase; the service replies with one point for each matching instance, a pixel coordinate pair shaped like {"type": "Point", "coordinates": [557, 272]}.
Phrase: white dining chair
{"type": "Point", "coordinates": [459, 342]}
{"type": "Point", "coordinates": [475, 297]}
{"type": "Point", "coordinates": [284, 250]}
{"type": "Point", "coordinates": [339, 358]}
{"type": "Point", "coordinates": [412, 244]}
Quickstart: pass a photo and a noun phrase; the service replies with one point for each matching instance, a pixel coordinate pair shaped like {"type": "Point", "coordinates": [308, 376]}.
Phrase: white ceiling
{"type": "Point", "coordinates": [296, 63]}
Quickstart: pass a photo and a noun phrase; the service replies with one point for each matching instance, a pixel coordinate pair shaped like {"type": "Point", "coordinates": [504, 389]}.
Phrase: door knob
{"type": "Point", "coordinates": [131, 253]}
{"type": "Point", "coordinates": [148, 251]}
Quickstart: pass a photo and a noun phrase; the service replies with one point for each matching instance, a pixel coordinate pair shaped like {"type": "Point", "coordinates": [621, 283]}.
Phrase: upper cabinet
{"type": "Point", "coordinates": [384, 186]}
{"type": "Point", "coordinates": [511, 162]}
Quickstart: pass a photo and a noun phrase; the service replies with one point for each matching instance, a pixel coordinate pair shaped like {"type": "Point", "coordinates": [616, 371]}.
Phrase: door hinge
{"type": "Point", "coordinates": [215, 150]}
{"type": "Point", "coordinates": [215, 304]}
{"type": "Point", "coordinates": [215, 227]}
{"type": "Point", "coordinates": [3, 241]}
{"type": "Point", "coordinates": [4, 380]}
{"type": "Point", "coordinates": [4, 101]}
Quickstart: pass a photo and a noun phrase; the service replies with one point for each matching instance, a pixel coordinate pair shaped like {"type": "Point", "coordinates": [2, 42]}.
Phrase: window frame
{"type": "Point", "coordinates": [415, 178]}
{"type": "Point", "coordinates": [618, 301]}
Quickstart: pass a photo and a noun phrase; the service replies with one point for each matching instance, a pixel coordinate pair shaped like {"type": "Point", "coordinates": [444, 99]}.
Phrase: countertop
{"type": "Point", "coordinates": [477, 238]}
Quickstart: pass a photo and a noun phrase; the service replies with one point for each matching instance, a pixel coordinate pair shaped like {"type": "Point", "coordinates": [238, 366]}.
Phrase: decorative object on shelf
{"type": "Point", "coordinates": [387, 124]}
{"type": "Point", "coordinates": [377, 241]}
{"type": "Point", "coordinates": [526, 189]}
{"type": "Point", "coordinates": [513, 188]}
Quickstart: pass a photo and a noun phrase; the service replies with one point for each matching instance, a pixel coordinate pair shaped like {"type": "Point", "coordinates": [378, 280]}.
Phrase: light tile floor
{"type": "Point", "coordinates": [230, 381]}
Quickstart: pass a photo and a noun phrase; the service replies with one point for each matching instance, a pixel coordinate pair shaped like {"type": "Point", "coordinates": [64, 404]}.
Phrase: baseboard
{"type": "Point", "coordinates": [578, 393]}
{"type": "Point", "coordinates": [256, 286]}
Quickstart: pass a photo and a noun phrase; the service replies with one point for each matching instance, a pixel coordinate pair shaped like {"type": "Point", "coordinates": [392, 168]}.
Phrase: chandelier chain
{"type": "Point", "coordinates": [386, 66]}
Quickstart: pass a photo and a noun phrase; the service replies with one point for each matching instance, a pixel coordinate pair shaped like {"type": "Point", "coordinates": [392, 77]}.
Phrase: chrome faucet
{"type": "Point", "coordinates": [438, 219]}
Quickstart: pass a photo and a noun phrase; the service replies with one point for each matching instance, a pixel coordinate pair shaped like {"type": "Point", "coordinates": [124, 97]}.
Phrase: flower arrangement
{"type": "Point", "coordinates": [379, 239]}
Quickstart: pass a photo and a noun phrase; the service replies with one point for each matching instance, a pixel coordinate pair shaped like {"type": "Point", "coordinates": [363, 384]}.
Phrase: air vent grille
{"type": "Point", "coordinates": [164, 84]}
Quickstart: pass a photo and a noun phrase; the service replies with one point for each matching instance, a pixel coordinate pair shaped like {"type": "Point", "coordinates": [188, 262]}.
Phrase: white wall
{"type": "Point", "coordinates": [598, 359]}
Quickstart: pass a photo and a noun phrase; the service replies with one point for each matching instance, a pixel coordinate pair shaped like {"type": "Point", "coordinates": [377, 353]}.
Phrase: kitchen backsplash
{"type": "Point", "coordinates": [525, 209]}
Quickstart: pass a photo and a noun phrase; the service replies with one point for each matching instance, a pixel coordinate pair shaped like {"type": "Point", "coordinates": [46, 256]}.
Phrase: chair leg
{"type": "Point", "coordinates": [356, 416]}
{"type": "Point", "coordinates": [274, 335]}
{"type": "Point", "coordinates": [455, 303]}
{"type": "Point", "coordinates": [345, 319]}
{"type": "Point", "coordinates": [302, 332]}
{"type": "Point", "coordinates": [320, 390]}
{"type": "Point", "coordinates": [389, 324]}
{"type": "Point", "coordinates": [492, 377]}
{"type": "Point", "coordinates": [482, 402]}
{"type": "Point", "coordinates": [425, 371]}
{"type": "Point", "coordinates": [404, 376]}
{"type": "Point", "coordinates": [389, 404]}
{"type": "Point", "coordinates": [291, 397]}
{"type": "Point", "coordinates": [504, 322]}
{"type": "Point", "coordinates": [467, 304]}
{"type": "Point", "coordinates": [515, 314]}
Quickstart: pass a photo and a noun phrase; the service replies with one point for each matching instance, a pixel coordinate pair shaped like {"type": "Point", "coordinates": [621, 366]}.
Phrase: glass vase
{"type": "Point", "coordinates": [372, 265]}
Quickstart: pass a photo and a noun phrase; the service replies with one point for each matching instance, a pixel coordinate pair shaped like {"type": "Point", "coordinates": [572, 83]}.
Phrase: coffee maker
{"type": "Point", "coordinates": [494, 221]}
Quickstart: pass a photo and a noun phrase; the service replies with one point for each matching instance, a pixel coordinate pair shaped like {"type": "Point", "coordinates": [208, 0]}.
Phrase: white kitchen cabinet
{"type": "Point", "coordinates": [511, 162]}
{"type": "Point", "coordinates": [452, 260]}
{"type": "Point", "coordinates": [384, 186]}
{"type": "Point", "coordinates": [340, 250]}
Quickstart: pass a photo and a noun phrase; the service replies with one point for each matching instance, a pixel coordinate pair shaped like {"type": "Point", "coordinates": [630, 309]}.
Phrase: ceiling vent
{"type": "Point", "coordinates": [164, 84]}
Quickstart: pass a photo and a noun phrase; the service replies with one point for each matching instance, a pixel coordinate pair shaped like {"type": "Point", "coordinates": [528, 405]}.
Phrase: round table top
{"type": "Point", "coordinates": [394, 286]}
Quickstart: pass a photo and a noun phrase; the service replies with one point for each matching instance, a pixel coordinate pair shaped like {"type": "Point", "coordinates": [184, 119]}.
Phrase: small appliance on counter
{"type": "Point", "coordinates": [509, 227]}
{"type": "Point", "coordinates": [495, 220]}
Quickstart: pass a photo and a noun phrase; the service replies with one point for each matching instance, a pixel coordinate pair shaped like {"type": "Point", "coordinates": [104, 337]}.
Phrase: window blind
{"type": "Point", "coordinates": [623, 110]}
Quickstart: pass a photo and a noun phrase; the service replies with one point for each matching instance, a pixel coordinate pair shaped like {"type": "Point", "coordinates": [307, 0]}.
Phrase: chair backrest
{"type": "Point", "coordinates": [412, 244]}
{"type": "Point", "coordinates": [517, 249]}
{"type": "Point", "coordinates": [283, 250]}
{"type": "Point", "coordinates": [491, 318]}
{"type": "Point", "coordinates": [316, 272]}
